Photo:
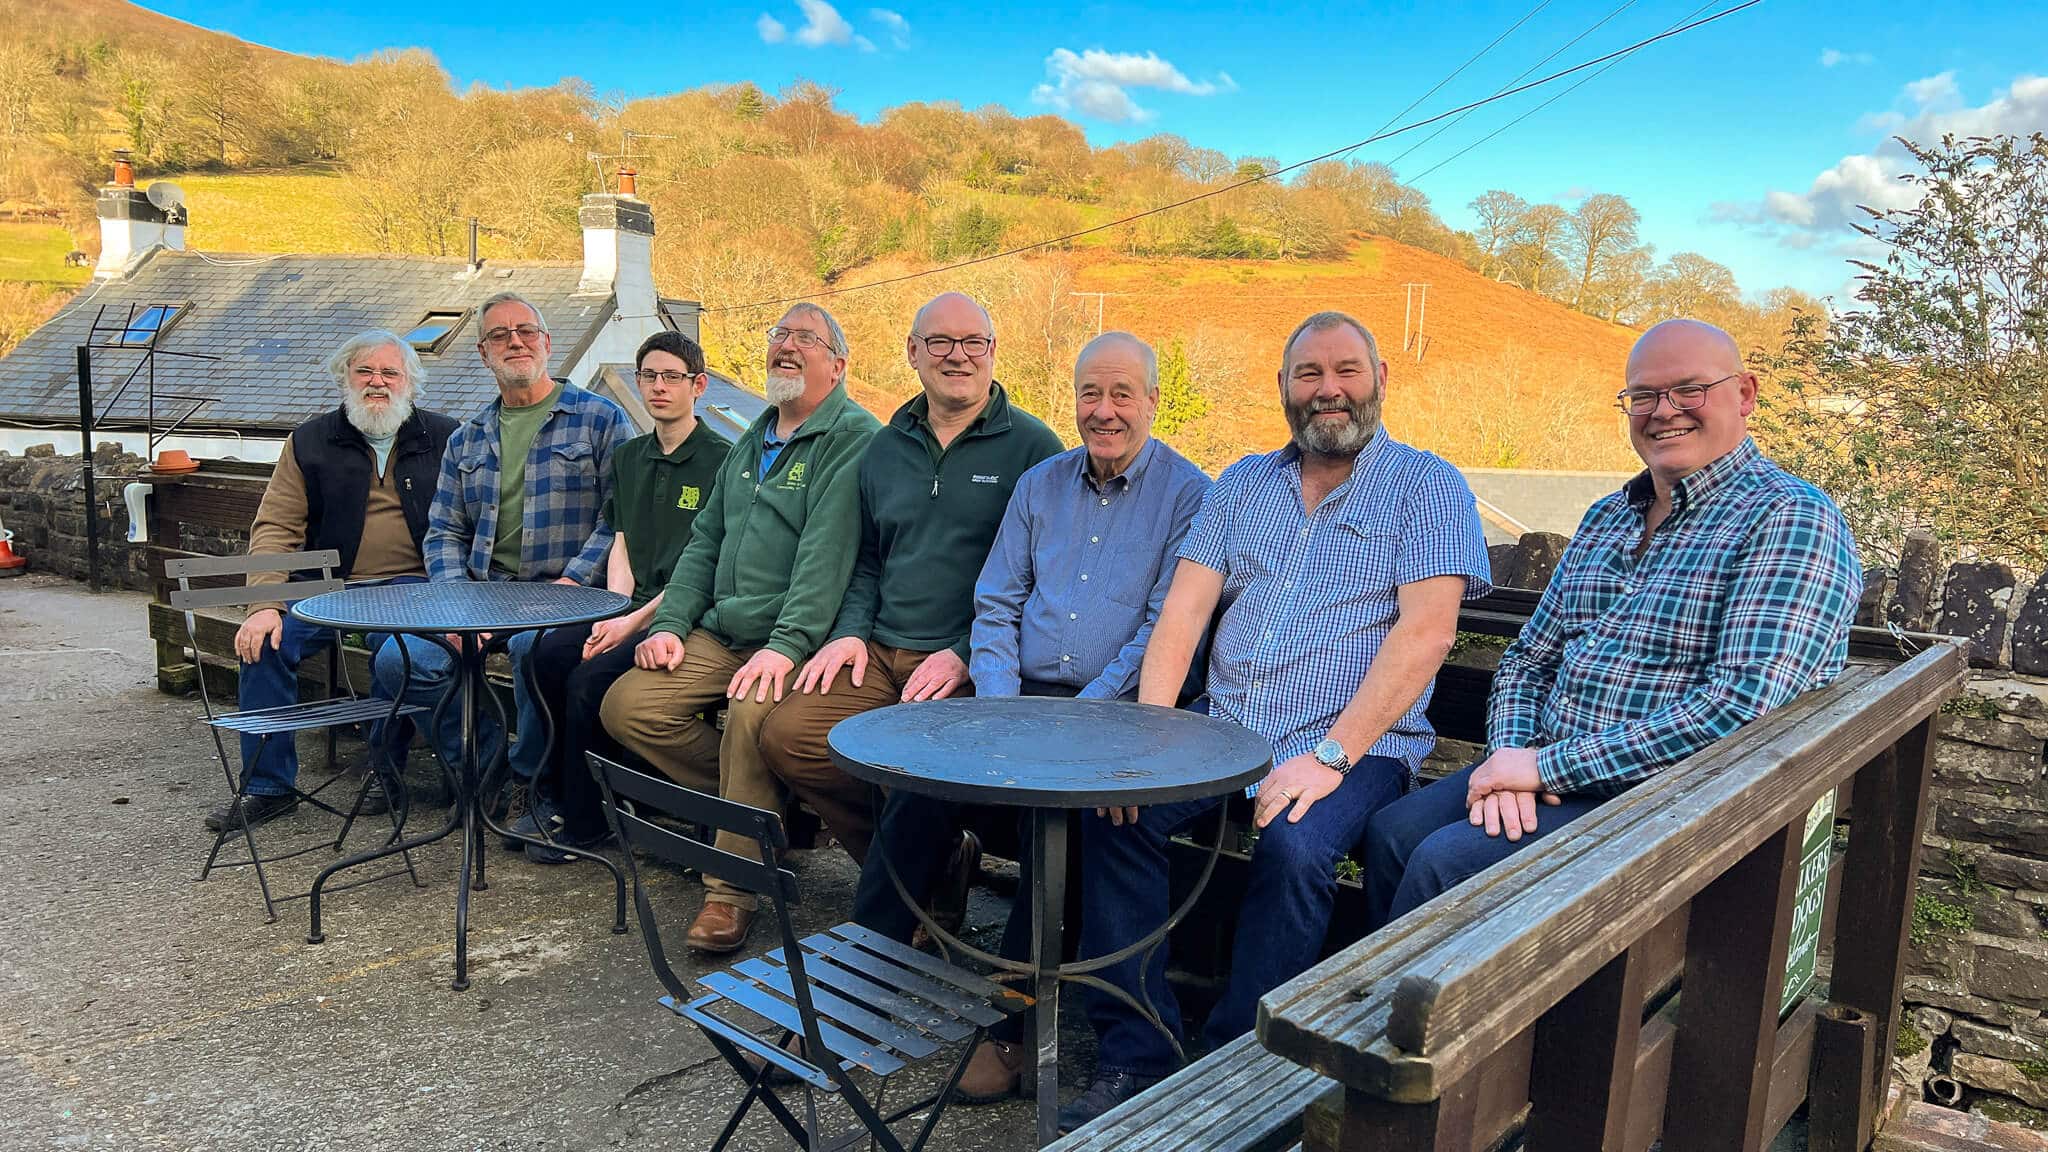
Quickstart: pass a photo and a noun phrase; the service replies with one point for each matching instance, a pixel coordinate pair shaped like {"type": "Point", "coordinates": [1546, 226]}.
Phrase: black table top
{"type": "Point", "coordinates": [460, 606]}
{"type": "Point", "coordinates": [1047, 752]}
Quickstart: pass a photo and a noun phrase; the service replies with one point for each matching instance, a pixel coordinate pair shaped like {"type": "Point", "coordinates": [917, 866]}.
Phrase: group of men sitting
{"type": "Point", "coordinates": [826, 564]}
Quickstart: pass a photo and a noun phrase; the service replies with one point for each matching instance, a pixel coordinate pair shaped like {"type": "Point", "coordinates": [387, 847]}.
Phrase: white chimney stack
{"type": "Point", "coordinates": [131, 224]}
{"type": "Point", "coordinates": [618, 247]}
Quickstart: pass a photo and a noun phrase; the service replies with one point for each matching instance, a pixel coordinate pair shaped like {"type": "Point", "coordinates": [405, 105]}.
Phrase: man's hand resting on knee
{"type": "Point", "coordinates": [1503, 791]}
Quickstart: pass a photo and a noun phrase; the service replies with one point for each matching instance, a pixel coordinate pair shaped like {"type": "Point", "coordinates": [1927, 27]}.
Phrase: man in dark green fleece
{"type": "Point", "coordinates": [754, 592]}
{"type": "Point", "coordinates": [933, 487]}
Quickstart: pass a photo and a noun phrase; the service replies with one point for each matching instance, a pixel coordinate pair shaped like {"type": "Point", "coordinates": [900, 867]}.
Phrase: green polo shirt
{"type": "Point", "coordinates": [655, 498]}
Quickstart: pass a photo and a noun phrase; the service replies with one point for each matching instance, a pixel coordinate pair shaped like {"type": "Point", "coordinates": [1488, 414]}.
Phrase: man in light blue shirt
{"type": "Point", "coordinates": [1338, 564]}
{"type": "Point", "coordinates": [1063, 607]}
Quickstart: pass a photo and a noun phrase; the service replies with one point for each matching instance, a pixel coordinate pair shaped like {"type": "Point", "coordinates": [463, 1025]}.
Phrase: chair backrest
{"type": "Point", "coordinates": [190, 568]}
{"type": "Point", "coordinates": [190, 600]}
{"type": "Point", "coordinates": [647, 794]}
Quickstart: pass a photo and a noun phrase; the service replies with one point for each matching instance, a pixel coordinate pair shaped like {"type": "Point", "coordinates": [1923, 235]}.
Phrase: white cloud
{"type": "Point", "coordinates": [1837, 196]}
{"type": "Point", "coordinates": [823, 26]}
{"type": "Point", "coordinates": [1835, 57]}
{"type": "Point", "coordinates": [772, 31]}
{"type": "Point", "coordinates": [897, 26]}
{"type": "Point", "coordinates": [1095, 83]}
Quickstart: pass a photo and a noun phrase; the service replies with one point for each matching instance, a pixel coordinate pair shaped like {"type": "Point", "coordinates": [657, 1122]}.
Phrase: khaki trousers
{"type": "Point", "coordinates": [656, 715]}
{"type": "Point", "coordinates": [793, 742]}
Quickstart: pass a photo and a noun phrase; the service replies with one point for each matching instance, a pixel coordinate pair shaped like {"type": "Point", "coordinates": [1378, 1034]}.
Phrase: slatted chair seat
{"type": "Point", "coordinates": [858, 1000]}
{"type": "Point", "coordinates": [310, 716]}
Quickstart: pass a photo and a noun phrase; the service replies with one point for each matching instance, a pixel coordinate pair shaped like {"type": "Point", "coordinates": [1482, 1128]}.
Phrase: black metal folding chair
{"type": "Point", "coordinates": [859, 1000]}
{"type": "Point", "coordinates": [285, 722]}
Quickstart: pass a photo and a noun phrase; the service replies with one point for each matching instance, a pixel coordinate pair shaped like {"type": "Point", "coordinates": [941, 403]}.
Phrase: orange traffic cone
{"type": "Point", "coordinates": [10, 564]}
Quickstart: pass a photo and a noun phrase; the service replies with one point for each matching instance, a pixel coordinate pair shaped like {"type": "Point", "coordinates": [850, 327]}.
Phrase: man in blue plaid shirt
{"type": "Point", "coordinates": [1711, 589]}
{"type": "Point", "coordinates": [1333, 568]}
{"type": "Point", "coordinates": [518, 498]}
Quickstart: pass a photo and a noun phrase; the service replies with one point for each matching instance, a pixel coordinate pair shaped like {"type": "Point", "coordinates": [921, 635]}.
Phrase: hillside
{"type": "Point", "coordinates": [118, 24]}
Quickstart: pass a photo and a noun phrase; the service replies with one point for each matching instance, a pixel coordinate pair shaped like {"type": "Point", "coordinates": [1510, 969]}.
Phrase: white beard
{"type": "Point", "coordinates": [374, 424]}
{"type": "Point", "coordinates": [782, 389]}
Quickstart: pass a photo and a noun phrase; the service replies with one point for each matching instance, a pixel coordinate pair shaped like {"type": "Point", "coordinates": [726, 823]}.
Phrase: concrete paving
{"type": "Point", "coordinates": [141, 1009]}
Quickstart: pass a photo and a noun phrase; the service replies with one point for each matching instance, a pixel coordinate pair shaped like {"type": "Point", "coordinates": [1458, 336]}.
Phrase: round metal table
{"type": "Point", "coordinates": [465, 609]}
{"type": "Point", "coordinates": [1051, 755]}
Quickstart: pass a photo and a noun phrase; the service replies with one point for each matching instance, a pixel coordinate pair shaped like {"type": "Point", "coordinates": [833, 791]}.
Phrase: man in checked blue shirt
{"type": "Point", "coordinates": [520, 488]}
{"type": "Point", "coordinates": [1338, 563]}
{"type": "Point", "coordinates": [1711, 589]}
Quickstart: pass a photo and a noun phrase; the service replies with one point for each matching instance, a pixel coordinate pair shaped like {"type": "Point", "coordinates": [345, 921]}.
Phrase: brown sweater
{"type": "Point", "coordinates": [386, 550]}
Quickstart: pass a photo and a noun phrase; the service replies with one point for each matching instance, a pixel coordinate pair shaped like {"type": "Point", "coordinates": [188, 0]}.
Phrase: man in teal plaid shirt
{"type": "Point", "coordinates": [1712, 588]}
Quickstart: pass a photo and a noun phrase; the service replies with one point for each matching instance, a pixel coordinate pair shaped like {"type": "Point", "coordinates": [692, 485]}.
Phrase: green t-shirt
{"type": "Point", "coordinates": [655, 498]}
{"type": "Point", "coordinates": [516, 429]}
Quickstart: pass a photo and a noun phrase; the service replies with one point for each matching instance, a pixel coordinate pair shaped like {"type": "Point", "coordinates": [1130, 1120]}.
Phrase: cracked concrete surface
{"type": "Point", "coordinates": [140, 1009]}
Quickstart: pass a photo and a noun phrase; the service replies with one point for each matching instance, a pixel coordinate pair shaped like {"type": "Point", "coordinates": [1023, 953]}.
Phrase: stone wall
{"type": "Point", "coordinates": [42, 501]}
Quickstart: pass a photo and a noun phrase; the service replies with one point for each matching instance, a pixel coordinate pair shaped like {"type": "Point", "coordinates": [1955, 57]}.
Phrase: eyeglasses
{"type": "Point", "coordinates": [1683, 397]}
{"type": "Point", "coordinates": [974, 346]}
{"type": "Point", "coordinates": [363, 374]}
{"type": "Point", "coordinates": [804, 337]}
{"type": "Point", "coordinates": [672, 378]}
{"type": "Point", "coordinates": [527, 333]}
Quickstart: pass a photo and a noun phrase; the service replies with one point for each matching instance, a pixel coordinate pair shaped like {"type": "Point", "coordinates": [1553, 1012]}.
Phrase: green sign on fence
{"type": "Point", "coordinates": [1806, 908]}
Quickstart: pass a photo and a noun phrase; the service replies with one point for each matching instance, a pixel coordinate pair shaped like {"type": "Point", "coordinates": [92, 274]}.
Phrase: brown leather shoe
{"type": "Point", "coordinates": [720, 927]}
{"type": "Point", "coordinates": [993, 1073]}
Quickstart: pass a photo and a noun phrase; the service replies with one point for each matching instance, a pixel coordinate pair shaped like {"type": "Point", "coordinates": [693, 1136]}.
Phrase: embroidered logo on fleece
{"type": "Point", "coordinates": [690, 498]}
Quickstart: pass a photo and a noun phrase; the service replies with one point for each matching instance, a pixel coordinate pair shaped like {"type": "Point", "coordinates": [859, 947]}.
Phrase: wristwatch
{"type": "Point", "coordinates": [1330, 754]}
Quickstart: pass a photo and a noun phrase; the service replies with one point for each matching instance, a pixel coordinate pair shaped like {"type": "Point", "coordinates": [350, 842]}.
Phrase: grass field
{"type": "Point", "coordinates": [36, 252]}
{"type": "Point", "coordinates": [296, 211]}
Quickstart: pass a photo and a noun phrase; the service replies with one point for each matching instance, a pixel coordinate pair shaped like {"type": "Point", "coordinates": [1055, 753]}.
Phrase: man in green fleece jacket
{"type": "Point", "coordinates": [755, 591]}
{"type": "Point", "coordinates": [933, 487]}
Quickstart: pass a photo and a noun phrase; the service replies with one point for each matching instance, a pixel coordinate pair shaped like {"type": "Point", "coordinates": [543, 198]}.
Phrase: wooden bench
{"type": "Point", "coordinates": [1544, 999]}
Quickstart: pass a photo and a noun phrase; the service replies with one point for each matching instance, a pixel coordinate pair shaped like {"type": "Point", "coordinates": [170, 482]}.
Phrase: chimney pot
{"type": "Point", "coordinates": [124, 169]}
{"type": "Point", "coordinates": [628, 182]}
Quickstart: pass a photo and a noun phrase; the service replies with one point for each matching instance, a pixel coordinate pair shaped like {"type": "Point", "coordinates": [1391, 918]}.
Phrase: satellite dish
{"type": "Point", "coordinates": [169, 198]}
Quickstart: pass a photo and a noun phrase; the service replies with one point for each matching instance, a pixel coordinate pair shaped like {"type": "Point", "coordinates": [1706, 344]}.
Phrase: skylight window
{"type": "Point", "coordinates": [433, 331]}
{"type": "Point", "coordinates": [145, 326]}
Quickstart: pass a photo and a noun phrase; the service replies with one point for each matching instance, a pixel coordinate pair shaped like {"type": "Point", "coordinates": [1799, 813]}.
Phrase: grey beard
{"type": "Point", "coordinates": [782, 389]}
{"type": "Point", "coordinates": [1320, 439]}
{"type": "Point", "coordinates": [376, 425]}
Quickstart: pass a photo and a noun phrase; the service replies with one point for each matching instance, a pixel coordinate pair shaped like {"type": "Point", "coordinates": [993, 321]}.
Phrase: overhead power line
{"type": "Point", "coordinates": [1248, 181]}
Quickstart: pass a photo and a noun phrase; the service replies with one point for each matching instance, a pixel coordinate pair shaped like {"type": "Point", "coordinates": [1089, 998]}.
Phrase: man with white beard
{"type": "Point", "coordinates": [754, 594]}
{"type": "Point", "coordinates": [359, 480]}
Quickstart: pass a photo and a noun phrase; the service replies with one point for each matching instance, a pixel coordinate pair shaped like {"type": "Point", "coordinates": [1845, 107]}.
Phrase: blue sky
{"type": "Point", "coordinates": [1749, 140]}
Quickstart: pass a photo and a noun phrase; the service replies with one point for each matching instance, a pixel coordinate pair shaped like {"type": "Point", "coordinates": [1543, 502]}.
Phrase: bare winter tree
{"type": "Point", "coordinates": [1602, 227]}
{"type": "Point", "coordinates": [1500, 221]}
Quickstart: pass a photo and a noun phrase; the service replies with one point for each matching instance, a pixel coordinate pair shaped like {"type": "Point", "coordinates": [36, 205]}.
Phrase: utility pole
{"type": "Point", "coordinates": [1417, 308]}
{"type": "Point", "coordinates": [1098, 305]}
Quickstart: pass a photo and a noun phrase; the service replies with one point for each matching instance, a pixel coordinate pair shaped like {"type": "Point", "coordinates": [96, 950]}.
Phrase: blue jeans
{"type": "Point", "coordinates": [432, 670]}
{"type": "Point", "coordinates": [272, 766]}
{"type": "Point", "coordinates": [1424, 844]}
{"type": "Point", "coordinates": [1280, 927]}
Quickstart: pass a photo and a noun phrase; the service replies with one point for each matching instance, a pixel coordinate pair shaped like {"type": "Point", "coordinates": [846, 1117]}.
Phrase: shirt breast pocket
{"type": "Point", "coordinates": [572, 466]}
{"type": "Point", "coordinates": [471, 480]}
{"type": "Point", "coordinates": [1358, 564]}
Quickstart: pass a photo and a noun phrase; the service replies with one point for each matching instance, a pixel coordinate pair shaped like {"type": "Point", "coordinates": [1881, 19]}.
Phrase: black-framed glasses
{"type": "Point", "coordinates": [973, 346]}
{"type": "Point", "coordinates": [671, 377]}
{"type": "Point", "coordinates": [804, 337]}
{"type": "Point", "coordinates": [1683, 397]}
{"type": "Point", "coordinates": [527, 333]}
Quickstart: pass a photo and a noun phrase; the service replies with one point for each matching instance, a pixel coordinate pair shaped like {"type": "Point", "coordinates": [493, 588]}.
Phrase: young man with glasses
{"type": "Point", "coordinates": [518, 498]}
{"type": "Point", "coordinates": [660, 481]}
{"type": "Point", "coordinates": [933, 485]}
{"type": "Point", "coordinates": [1711, 589]}
{"type": "Point", "coordinates": [358, 480]}
{"type": "Point", "coordinates": [754, 592]}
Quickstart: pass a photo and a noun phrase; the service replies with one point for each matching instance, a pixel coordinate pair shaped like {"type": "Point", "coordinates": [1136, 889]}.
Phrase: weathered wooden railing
{"type": "Point", "coordinates": [1618, 984]}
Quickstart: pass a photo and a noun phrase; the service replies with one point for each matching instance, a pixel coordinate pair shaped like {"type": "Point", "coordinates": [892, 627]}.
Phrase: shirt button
{"type": "Point", "coordinates": [1064, 659]}
{"type": "Point", "coordinates": [1095, 539]}
{"type": "Point", "coordinates": [1105, 500]}
{"type": "Point", "coordinates": [1084, 577]}
{"type": "Point", "coordinates": [1073, 615]}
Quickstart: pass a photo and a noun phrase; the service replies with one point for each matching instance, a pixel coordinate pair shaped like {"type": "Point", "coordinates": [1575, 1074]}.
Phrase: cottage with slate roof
{"type": "Point", "coordinates": [271, 321]}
